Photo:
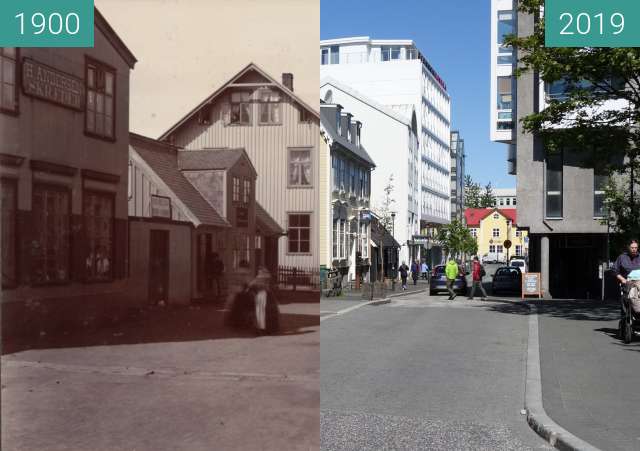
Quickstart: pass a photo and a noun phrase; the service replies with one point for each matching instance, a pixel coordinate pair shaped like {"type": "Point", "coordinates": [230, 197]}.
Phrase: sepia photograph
{"type": "Point", "coordinates": [160, 273]}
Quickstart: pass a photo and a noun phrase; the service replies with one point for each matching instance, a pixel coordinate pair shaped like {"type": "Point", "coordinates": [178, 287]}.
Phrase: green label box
{"type": "Point", "coordinates": [592, 23]}
{"type": "Point", "coordinates": [46, 23]}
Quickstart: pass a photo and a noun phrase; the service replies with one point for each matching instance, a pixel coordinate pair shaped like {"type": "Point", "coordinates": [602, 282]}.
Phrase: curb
{"type": "Point", "coordinates": [537, 418]}
{"type": "Point", "coordinates": [388, 299]}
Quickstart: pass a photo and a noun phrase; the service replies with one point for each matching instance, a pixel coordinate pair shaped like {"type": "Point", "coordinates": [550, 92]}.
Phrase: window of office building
{"type": "Point", "coordinates": [98, 223]}
{"type": "Point", "coordinates": [100, 103]}
{"type": "Point", "coordinates": [599, 185]}
{"type": "Point", "coordinates": [553, 186]}
{"type": "Point", "coordinates": [390, 52]}
{"type": "Point", "coordinates": [8, 79]}
{"type": "Point", "coordinates": [240, 108]}
{"type": "Point", "coordinates": [300, 167]}
{"type": "Point", "coordinates": [505, 28]}
{"type": "Point", "coordinates": [9, 195]}
{"type": "Point", "coordinates": [299, 235]}
{"type": "Point", "coordinates": [269, 107]}
{"type": "Point", "coordinates": [504, 93]}
{"type": "Point", "coordinates": [50, 250]}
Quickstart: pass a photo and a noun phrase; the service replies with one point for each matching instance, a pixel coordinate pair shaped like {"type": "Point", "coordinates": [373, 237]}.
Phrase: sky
{"type": "Point", "coordinates": [454, 35]}
{"type": "Point", "coordinates": [186, 49]}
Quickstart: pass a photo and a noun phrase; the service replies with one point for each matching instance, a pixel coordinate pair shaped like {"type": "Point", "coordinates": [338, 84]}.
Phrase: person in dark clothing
{"type": "Point", "coordinates": [477, 272]}
{"type": "Point", "coordinates": [415, 272]}
{"type": "Point", "coordinates": [404, 273]}
{"type": "Point", "coordinates": [627, 262]}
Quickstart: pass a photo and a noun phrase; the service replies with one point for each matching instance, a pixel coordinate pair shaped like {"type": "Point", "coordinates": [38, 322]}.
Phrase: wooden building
{"type": "Point", "coordinates": [188, 207]}
{"type": "Point", "coordinates": [280, 133]}
{"type": "Point", "coordinates": [64, 140]}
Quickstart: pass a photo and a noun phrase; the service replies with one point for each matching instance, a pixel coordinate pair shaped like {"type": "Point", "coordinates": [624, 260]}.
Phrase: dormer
{"type": "Point", "coordinates": [358, 128]}
{"type": "Point", "coordinates": [345, 123]}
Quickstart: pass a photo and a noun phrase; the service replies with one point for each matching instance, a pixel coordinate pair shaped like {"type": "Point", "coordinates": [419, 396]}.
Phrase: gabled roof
{"type": "Point", "coordinates": [162, 158]}
{"type": "Point", "coordinates": [266, 223]}
{"type": "Point", "coordinates": [101, 23]}
{"type": "Point", "coordinates": [367, 100]}
{"type": "Point", "coordinates": [212, 159]}
{"type": "Point", "coordinates": [328, 124]}
{"type": "Point", "coordinates": [473, 216]}
{"type": "Point", "coordinates": [249, 67]}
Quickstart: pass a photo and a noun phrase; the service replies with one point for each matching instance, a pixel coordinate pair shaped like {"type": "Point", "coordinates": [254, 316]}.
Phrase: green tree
{"type": "Point", "coordinates": [487, 200]}
{"type": "Point", "coordinates": [456, 240]}
{"type": "Point", "coordinates": [623, 210]}
{"type": "Point", "coordinates": [385, 210]}
{"type": "Point", "coordinates": [472, 193]}
{"type": "Point", "coordinates": [600, 132]}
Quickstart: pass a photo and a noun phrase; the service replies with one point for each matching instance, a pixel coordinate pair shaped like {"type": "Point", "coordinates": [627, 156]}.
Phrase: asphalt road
{"type": "Point", "coordinates": [194, 387]}
{"type": "Point", "coordinates": [422, 373]}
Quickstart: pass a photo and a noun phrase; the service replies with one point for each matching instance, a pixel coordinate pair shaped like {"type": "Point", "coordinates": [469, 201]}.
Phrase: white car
{"type": "Point", "coordinates": [519, 263]}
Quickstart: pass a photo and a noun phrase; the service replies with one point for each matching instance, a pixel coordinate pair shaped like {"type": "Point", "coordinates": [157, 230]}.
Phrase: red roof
{"type": "Point", "coordinates": [473, 216]}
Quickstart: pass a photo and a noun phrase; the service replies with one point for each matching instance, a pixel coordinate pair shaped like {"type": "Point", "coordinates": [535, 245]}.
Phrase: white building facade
{"type": "Point", "coordinates": [395, 74]}
{"type": "Point", "coordinates": [391, 140]}
{"type": "Point", "coordinates": [504, 197]}
{"type": "Point", "coordinates": [503, 95]}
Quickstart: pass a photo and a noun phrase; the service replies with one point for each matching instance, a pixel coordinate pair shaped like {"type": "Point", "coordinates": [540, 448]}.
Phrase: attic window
{"type": "Point", "coordinates": [269, 107]}
{"type": "Point", "coordinates": [241, 108]}
{"type": "Point", "coordinates": [204, 116]}
{"type": "Point", "coordinates": [304, 114]}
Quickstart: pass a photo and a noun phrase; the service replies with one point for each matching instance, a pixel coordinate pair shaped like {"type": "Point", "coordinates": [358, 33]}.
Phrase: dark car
{"type": "Point", "coordinates": [507, 279]}
{"type": "Point", "coordinates": [439, 281]}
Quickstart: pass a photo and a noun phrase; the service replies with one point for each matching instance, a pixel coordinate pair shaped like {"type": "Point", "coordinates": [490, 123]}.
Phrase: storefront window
{"type": "Point", "coordinates": [98, 223]}
{"type": "Point", "coordinates": [50, 245]}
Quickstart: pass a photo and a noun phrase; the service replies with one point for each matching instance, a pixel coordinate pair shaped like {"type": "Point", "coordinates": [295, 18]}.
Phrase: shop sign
{"type": "Point", "coordinates": [49, 84]}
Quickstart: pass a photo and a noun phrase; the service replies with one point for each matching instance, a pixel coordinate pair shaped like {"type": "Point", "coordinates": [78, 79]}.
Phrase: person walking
{"type": "Point", "coordinates": [627, 268]}
{"type": "Point", "coordinates": [451, 271]}
{"type": "Point", "coordinates": [404, 273]}
{"type": "Point", "coordinates": [477, 272]}
{"type": "Point", "coordinates": [217, 272]}
{"type": "Point", "coordinates": [425, 270]}
{"type": "Point", "coordinates": [415, 272]}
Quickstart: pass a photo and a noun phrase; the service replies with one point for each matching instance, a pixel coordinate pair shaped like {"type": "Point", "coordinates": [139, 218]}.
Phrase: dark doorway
{"type": "Point", "coordinates": [158, 266]}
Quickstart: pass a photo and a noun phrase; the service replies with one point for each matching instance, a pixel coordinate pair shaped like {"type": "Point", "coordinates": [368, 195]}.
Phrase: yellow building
{"type": "Point", "coordinates": [492, 227]}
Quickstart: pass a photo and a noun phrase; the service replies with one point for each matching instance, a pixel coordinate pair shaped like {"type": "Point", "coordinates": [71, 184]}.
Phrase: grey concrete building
{"type": "Point", "coordinates": [457, 176]}
{"type": "Point", "coordinates": [559, 199]}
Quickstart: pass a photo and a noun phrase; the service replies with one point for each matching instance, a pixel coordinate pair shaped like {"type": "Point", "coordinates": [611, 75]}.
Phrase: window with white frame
{"type": "Point", "coordinates": [336, 238]}
{"type": "Point", "coordinates": [300, 167]}
{"type": "Point", "coordinates": [492, 248]}
{"type": "Point", "coordinates": [518, 233]}
{"type": "Point", "coordinates": [364, 241]}
{"type": "Point", "coordinates": [496, 216]}
{"type": "Point", "coordinates": [240, 108]}
{"type": "Point", "coordinates": [343, 238]}
{"type": "Point", "coordinates": [236, 189]}
{"type": "Point", "coordinates": [246, 195]}
{"type": "Point", "coordinates": [474, 233]}
{"type": "Point", "coordinates": [270, 107]}
{"type": "Point", "coordinates": [496, 233]}
{"type": "Point", "coordinates": [389, 52]}
{"type": "Point", "coordinates": [499, 249]}
{"type": "Point", "coordinates": [518, 250]}
{"type": "Point", "coordinates": [8, 79]}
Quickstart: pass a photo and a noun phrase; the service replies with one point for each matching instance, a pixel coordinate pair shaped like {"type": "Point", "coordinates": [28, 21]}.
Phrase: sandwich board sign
{"type": "Point", "coordinates": [531, 284]}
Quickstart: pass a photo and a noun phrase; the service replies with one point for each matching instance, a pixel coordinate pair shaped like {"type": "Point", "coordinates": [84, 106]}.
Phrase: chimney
{"type": "Point", "coordinates": [287, 80]}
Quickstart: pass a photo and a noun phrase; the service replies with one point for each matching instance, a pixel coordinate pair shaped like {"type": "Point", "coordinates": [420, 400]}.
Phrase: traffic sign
{"type": "Point", "coordinates": [507, 244]}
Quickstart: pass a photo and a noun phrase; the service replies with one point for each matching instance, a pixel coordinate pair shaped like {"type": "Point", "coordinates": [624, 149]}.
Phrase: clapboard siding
{"type": "Point", "coordinates": [267, 147]}
{"type": "Point", "coordinates": [142, 190]}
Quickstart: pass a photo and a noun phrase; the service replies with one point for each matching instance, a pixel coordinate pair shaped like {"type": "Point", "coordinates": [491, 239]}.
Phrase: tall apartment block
{"type": "Point", "coordinates": [559, 198]}
{"type": "Point", "coordinates": [395, 74]}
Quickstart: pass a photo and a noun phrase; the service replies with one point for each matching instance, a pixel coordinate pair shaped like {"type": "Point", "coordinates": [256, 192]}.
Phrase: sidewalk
{"type": "Point", "coordinates": [357, 295]}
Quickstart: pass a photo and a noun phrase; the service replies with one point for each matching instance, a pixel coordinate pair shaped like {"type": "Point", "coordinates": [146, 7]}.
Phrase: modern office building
{"type": "Point", "coordinates": [559, 198]}
{"type": "Point", "coordinates": [457, 176]}
{"type": "Point", "coordinates": [394, 73]}
{"type": "Point", "coordinates": [504, 197]}
{"type": "Point", "coordinates": [391, 140]}
{"type": "Point", "coordinates": [346, 241]}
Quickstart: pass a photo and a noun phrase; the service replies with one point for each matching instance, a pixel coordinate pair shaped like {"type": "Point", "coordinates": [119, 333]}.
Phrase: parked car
{"type": "Point", "coordinates": [507, 279]}
{"type": "Point", "coordinates": [439, 281]}
{"type": "Point", "coordinates": [519, 263]}
{"type": "Point", "coordinates": [494, 257]}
